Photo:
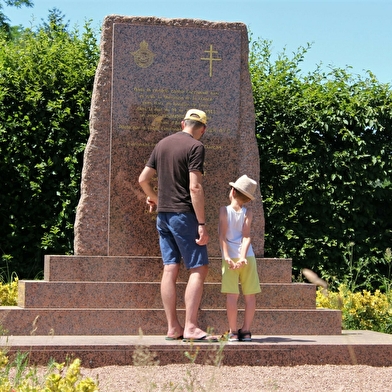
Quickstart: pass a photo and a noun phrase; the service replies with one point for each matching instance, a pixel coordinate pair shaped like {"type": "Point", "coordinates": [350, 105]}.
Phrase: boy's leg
{"type": "Point", "coordinates": [250, 287]}
{"type": "Point", "coordinates": [169, 299]}
{"type": "Point", "coordinates": [250, 309]}
{"type": "Point", "coordinates": [193, 293]}
{"type": "Point", "coordinates": [232, 310]}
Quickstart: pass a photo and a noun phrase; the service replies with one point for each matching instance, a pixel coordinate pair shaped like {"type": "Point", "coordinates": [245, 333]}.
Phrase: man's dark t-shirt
{"type": "Point", "coordinates": [173, 158]}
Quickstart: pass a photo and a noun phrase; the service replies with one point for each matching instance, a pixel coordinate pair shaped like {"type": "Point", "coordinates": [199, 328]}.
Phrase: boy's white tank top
{"type": "Point", "coordinates": [235, 222]}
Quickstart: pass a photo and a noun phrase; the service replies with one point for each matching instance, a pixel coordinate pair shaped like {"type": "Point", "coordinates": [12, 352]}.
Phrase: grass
{"type": "Point", "coordinates": [196, 377]}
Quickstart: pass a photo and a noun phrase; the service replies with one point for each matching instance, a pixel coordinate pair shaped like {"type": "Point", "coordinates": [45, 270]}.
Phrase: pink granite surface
{"type": "Point", "coordinates": [147, 295]}
{"type": "Point", "coordinates": [113, 295]}
{"type": "Point", "coordinates": [146, 269]}
{"type": "Point", "coordinates": [151, 72]}
{"type": "Point", "coordinates": [348, 348]}
{"type": "Point", "coordinates": [261, 355]}
{"type": "Point", "coordinates": [128, 321]}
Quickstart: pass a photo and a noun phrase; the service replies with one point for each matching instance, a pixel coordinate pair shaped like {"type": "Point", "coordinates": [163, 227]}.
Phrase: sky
{"type": "Point", "coordinates": [350, 33]}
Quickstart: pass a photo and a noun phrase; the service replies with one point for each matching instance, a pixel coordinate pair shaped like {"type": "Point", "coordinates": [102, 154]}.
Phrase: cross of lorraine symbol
{"type": "Point", "coordinates": [211, 58]}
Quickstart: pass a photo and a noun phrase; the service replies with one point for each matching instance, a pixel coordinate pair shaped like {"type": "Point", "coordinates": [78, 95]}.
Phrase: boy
{"type": "Point", "coordinates": [238, 259]}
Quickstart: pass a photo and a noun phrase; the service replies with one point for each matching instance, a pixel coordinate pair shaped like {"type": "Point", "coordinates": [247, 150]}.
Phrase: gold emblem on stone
{"type": "Point", "coordinates": [211, 52]}
{"type": "Point", "coordinates": [143, 56]}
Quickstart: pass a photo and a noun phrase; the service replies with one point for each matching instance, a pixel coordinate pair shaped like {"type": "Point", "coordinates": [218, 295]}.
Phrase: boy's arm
{"type": "Point", "coordinates": [246, 236]}
{"type": "Point", "coordinates": [222, 236]}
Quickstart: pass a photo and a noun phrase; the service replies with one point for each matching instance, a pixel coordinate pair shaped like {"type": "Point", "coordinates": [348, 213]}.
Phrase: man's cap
{"type": "Point", "coordinates": [196, 115]}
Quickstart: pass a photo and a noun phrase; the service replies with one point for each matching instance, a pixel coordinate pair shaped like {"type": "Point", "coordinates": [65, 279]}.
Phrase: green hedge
{"type": "Point", "coordinates": [325, 146]}
{"type": "Point", "coordinates": [46, 81]}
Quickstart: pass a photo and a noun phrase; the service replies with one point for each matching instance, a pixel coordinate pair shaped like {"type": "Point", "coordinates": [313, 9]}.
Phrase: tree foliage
{"type": "Point", "coordinates": [325, 145]}
{"type": "Point", "coordinates": [46, 79]}
{"type": "Point", "coordinates": [4, 25]}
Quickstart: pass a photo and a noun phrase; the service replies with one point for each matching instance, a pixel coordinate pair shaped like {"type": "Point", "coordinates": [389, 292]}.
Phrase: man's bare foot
{"type": "Point", "coordinates": [175, 334]}
{"type": "Point", "coordinates": [197, 334]}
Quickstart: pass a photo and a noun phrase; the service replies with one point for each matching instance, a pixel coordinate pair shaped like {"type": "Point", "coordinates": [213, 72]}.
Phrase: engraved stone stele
{"type": "Point", "coordinates": [151, 71]}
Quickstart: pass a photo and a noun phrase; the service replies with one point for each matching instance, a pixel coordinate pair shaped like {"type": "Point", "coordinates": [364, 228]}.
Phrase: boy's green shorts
{"type": "Point", "coordinates": [246, 275]}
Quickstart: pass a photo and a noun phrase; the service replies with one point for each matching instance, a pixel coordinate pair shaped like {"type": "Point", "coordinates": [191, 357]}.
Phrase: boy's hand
{"type": "Point", "coordinates": [231, 263]}
{"type": "Point", "coordinates": [242, 262]}
{"type": "Point", "coordinates": [237, 265]}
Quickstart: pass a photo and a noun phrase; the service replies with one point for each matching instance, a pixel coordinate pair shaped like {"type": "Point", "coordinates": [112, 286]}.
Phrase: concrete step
{"type": "Point", "coordinates": [146, 269]}
{"type": "Point", "coordinates": [65, 321]}
{"type": "Point", "coordinates": [346, 348]}
{"type": "Point", "coordinates": [142, 295]}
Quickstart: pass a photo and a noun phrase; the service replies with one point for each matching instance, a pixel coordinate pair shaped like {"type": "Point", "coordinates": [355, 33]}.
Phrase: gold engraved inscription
{"type": "Point", "coordinates": [173, 103]}
{"type": "Point", "coordinates": [162, 109]}
{"type": "Point", "coordinates": [211, 58]}
{"type": "Point", "coordinates": [143, 57]}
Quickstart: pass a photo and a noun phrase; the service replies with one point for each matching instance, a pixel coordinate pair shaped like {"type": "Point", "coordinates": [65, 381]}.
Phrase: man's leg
{"type": "Point", "coordinates": [193, 293]}
{"type": "Point", "coordinates": [169, 299]}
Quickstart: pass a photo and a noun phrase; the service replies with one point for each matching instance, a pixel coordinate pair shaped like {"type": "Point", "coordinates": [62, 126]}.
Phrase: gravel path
{"type": "Point", "coordinates": [189, 377]}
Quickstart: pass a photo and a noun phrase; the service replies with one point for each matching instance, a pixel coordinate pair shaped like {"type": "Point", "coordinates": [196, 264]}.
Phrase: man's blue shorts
{"type": "Point", "coordinates": [177, 238]}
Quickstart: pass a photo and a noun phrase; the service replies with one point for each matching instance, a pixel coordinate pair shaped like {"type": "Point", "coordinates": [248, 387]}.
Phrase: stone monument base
{"type": "Point", "coordinates": [101, 295]}
{"type": "Point", "coordinates": [101, 309]}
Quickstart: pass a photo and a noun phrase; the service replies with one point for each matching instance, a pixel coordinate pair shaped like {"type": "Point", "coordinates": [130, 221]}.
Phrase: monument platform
{"type": "Point", "coordinates": [348, 348]}
{"type": "Point", "coordinates": [93, 308]}
{"type": "Point", "coordinates": [97, 295]}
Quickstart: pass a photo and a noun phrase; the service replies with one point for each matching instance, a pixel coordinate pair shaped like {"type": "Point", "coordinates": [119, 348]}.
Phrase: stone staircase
{"type": "Point", "coordinates": [101, 295]}
{"type": "Point", "coordinates": [94, 307]}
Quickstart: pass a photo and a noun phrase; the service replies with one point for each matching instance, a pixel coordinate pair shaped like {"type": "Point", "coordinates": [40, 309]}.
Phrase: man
{"type": "Point", "coordinates": [178, 161]}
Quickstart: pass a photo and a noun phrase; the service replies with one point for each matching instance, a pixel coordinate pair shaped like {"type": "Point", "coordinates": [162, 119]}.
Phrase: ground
{"type": "Point", "coordinates": [190, 377]}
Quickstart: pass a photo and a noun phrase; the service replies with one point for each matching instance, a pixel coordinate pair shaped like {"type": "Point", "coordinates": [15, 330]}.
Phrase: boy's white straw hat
{"type": "Point", "coordinates": [245, 185]}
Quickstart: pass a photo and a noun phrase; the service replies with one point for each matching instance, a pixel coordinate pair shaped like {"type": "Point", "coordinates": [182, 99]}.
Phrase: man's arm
{"type": "Point", "coordinates": [197, 197]}
{"type": "Point", "coordinates": [145, 182]}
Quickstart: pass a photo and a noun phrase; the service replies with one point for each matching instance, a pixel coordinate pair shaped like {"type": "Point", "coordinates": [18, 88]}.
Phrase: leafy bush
{"type": "Point", "coordinates": [363, 273]}
{"type": "Point", "coordinates": [46, 80]}
{"type": "Point", "coordinates": [361, 310]}
{"type": "Point", "coordinates": [9, 293]}
{"type": "Point", "coordinates": [325, 161]}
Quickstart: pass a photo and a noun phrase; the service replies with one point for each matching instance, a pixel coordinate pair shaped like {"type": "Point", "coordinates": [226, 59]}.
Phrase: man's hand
{"type": "Point", "coordinates": [145, 182]}
{"type": "Point", "coordinates": [151, 203]}
{"type": "Point", "coordinates": [203, 236]}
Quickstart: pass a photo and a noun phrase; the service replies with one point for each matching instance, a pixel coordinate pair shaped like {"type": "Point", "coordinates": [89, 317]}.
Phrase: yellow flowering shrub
{"type": "Point", "coordinates": [9, 293]}
{"type": "Point", "coordinates": [64, 380]}
{"type": "Point", "coordinates": [361, 310]}
{"type": "Point", "coordinates": [71, 382]}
